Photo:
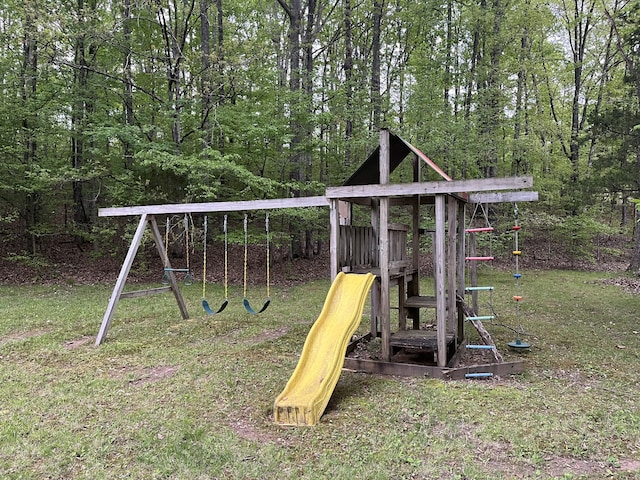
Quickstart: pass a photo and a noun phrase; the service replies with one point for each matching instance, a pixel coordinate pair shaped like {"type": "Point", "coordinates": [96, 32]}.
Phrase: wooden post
{"type": "Point", "coordinates": [385, 307]}
{"type": "Point", "coordinates": [126, 267]}
{"type": "Point", "coordinates": [413, 289]}
{"type": "Point", "coordinates": [452, 213]}
{"type": "Point", "coordinates": [440, 280]}
{"type": "Point", "coordinates": [122, 278]}
{"type": "Point", "coordinates": [334, 237]}
{"type": "Point", "coordinates": [461, 267]}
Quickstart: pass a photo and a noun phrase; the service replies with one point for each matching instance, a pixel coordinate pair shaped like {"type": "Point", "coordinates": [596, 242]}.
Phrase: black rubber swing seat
{"type": "Point", "coordinates": [250, 309]}
{"type": "Point", "coordinates": [210, 311]}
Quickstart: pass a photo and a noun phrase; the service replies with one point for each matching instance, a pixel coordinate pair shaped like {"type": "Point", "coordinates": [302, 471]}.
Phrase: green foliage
{"type": "Point", "coordinates": [117, 110]}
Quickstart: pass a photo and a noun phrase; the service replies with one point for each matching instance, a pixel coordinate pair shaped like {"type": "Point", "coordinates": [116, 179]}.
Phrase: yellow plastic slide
{"type": "Point", "coordinates": [307, 392]}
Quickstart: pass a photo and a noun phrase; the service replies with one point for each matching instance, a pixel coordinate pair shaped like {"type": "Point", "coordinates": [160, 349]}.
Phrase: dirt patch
{"type": "Point", "coordinates": [155, 374]}
{"type": "Point", "coordinates": [143, 376]}
{"type": "Point", "coordinates": [19, 336]}
{"type": "Point", "coordinates": [563, 466]}
{"type": "Point", "coordinates": [628, 284]}
{"type": "Point", "coordinates": [245, 427]}
{"type": "Point", "coordinates": [629, 466]}
{"type": "Point", "coordinates": [77, 343]}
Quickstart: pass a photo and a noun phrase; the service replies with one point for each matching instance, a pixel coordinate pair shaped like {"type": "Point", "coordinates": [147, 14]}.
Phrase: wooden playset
{"type": "Point", "coordinates": [383, 246]}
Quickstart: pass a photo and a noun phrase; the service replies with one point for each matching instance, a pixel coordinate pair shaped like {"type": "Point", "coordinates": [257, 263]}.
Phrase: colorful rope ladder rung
{"type": "Point", "coordinates": [479, 375]}
{"type": "Point", "coordinates": [481, 318]}
{"type": "Point", "coordinates": [478, 259]}
{"type": "Point", "coordinates": [480, 347]}
{"type": "Point", "coordinates": [479, 230]}
{"type": "Point", "coordinates": [517, 252]}
{"type": "Point", "coordinates": [477, 289]}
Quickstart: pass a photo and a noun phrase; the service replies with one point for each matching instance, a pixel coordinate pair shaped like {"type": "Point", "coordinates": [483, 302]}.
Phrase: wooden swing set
{"type": "Point", "coordinates": [389, 250]}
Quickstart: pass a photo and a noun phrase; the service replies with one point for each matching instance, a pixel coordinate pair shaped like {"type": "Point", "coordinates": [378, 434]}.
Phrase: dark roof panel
{"type": "Point", "coordinates": [369, 172]}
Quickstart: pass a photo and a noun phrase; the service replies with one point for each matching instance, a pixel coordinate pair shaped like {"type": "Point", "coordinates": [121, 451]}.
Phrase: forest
{"type": "Point", "coordinates": [167, 101]}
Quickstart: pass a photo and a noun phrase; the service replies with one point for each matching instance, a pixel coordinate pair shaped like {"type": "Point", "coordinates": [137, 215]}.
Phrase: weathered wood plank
{"type": "Point", "coordinates": [418, 339]}
{"type": "Point", "coordinates": [122, 278]}
{"type": "Point", "coordinates": [145, 293]}
{"type": "Point", "coordinates": [389, 368]}
{"type": "Point", "coordinates": [440, 279]}
{"type": "Point", "coordinates": [503, 197]}
{"type": "Point", "coordinates": [430, 188]}
{"type": "Point", "coordinates": [210, 207]}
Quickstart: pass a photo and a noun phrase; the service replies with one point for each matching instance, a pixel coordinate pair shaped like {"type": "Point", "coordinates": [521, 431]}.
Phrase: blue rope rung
{"type": "Point", "coordinates": [250, 309]}
{"type": "Point", "coordinates": [210, 311]}
{"type": "Point", "coordinates": [478, 375]}
{"type": "Point", "coordinates": [480, 347]}
{"type": "Point", "coordinates": [481, 318]}
{"type": "Point", "coordinates": [477, 289]}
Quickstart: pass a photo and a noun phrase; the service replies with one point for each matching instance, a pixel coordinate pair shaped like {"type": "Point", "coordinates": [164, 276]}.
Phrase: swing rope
{"type": "Point", "coordinates": [205, 304]}
{"type": "Point", "coordinates": [188, 279]}
{"type": "Point", "coordinates": [245, 301]}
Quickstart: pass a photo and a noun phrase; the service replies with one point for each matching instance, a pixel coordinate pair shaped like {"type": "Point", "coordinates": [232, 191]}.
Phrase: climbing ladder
{"type": "Point", "coordinates": [471, 315]}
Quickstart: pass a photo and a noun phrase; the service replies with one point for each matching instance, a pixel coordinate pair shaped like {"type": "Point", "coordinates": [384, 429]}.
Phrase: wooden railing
{"type": "Point", "coordinates": [358, 247]}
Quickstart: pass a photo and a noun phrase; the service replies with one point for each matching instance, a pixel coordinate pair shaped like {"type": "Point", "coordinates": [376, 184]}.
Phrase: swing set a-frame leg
{"type": "Point", "coordinates": [126, 267]}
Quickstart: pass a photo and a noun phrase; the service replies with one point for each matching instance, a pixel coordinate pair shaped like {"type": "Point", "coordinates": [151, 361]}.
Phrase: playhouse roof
{"type": "Point", "coordinates": [369, 172]}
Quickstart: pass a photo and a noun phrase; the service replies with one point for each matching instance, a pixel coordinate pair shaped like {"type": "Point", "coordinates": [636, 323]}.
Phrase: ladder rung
{"type": "Point", "coordinates": [480, 347]}
{"type": "Point", "coordinates": [476, 289]}
{"type": "Point", "coordinates": [167, 269]}
{"type": "Point", "coordinates": [481, 318]}
{"type": "Point", "coordinates": [479, 375]}
{"type": "Point", "coordinates": [478, 259]}
{"type": "Point", "coordinates": [479, 230]}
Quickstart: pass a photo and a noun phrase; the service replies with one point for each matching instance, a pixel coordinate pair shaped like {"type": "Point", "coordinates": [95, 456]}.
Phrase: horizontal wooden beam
{"type": "Point", "coordinates": [430, 188]}
{"type": "Point", "coordinates": [392, 368]}
{"type": "Point", "coordinates": [414, 370]}
{"type": "Point", "coordinates": [211, 207]}
{"type": "Point", "coordinates": [503, 197]}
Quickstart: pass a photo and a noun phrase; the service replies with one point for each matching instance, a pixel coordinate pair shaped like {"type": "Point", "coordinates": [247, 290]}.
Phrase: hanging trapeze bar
{"type": "Point", "coordinates": [205, 304]}
{"type": "Point", "coordinates": [245, 301]}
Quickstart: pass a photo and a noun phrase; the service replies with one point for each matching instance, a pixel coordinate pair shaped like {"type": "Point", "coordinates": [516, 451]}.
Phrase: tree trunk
{"type": "Point", "coordinates": [127, 96]}
{"type": "Point", "coordinates": [29, 87]}
{"type": "Point", "coordinates": [348, 73]}
{"type": "Point", "coordinates": [376, 98]}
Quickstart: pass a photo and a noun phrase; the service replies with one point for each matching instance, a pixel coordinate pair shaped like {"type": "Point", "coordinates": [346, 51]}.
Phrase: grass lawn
{"type": "Point", "coordinates": [164, 398]}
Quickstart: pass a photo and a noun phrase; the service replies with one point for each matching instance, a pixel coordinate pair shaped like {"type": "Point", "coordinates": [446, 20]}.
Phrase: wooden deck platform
{"type": "Point", "coordinates": [420, 302]}
{"type": "Point", "coordinates": [425, 340]}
